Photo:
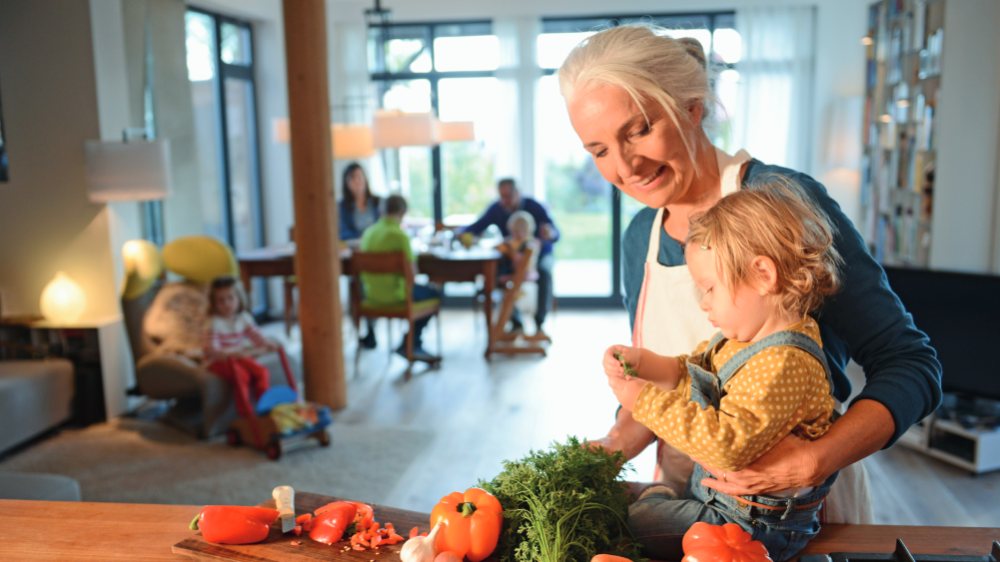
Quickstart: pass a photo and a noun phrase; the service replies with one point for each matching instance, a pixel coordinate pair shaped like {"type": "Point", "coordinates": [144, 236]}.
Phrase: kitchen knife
{"type": "Point", "coordinates": [284, 502]}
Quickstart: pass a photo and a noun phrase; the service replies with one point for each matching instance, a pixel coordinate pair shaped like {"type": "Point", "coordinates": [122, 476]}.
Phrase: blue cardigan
{"type": "Point", "coordinates": [865, 321]}
{"type": "Point", "coordinates": [349, 227]}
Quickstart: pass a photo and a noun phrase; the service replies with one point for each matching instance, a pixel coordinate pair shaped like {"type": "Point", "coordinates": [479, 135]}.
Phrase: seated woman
{"type": "Point", "coordinates": [359, 209]}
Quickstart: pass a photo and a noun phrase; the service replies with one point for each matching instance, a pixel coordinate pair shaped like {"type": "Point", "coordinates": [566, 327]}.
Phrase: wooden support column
{"type": "Point", "coordinates": [317, 254]}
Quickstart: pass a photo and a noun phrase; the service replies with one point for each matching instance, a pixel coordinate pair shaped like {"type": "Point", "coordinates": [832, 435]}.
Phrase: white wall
{"type": "Point", "coordinates": [50, 108]}
{"type": "Point", "coordinates": [47, 223]}
{"type": "Point", "coordinates": [965, 184]}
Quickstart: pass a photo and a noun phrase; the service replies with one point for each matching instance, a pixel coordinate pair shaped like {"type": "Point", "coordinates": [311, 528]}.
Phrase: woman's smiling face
{"type": "Point", "coordinates": [648, 161]}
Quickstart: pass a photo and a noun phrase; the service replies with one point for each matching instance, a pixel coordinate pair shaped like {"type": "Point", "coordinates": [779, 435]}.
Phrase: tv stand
{"type": "Point", "coordinates": [963, 432]}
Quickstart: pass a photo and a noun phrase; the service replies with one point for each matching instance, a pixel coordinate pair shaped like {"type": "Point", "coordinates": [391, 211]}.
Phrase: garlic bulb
{"type": "Point", "coordinates": [420, 549]}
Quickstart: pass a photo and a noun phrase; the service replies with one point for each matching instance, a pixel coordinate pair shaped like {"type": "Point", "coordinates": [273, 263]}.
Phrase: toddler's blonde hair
{"type": "Point", "coordinates": [775, 219]}
{"type": "Point", "coordinates": [523, 217]}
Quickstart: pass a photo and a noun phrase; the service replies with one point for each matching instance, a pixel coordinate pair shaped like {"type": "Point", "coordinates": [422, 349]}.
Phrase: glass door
{"type": "Point", "coordinates": [221, 73]}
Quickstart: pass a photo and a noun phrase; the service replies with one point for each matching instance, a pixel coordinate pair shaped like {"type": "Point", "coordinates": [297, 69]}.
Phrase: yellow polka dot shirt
{"type": "Point", "coordinates": [781, 390]}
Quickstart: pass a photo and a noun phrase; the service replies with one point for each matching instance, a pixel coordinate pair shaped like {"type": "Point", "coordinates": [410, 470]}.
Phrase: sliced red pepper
{"type": "Point", "coordinates": [331, 521]}
{"type": "Point", "coordinates": [234, 524]}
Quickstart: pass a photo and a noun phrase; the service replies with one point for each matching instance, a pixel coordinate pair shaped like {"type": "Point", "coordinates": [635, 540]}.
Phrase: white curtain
{"type": "Point", "coordinates": [773, 115]}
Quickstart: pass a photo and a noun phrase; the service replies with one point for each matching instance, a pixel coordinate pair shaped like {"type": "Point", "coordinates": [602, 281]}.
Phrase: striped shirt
{"type": "Point", "coordinates": [232, 335]}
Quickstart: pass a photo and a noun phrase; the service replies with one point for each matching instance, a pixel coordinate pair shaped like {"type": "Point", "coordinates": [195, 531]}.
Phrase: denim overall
{"type": "Point", "coordinates": [658, 520]}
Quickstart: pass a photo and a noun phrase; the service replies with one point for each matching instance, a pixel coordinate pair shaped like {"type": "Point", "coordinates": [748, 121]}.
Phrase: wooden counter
{"type": "Point", "coordinates": [71, 531]}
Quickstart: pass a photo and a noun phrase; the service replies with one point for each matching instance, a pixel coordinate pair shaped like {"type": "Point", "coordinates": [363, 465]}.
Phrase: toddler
{"type": "Point", "coordinates": [521, 226]}
{"type": "Point", "coordinates": [232, 340]}
{"type": "Point", "coordinates": [762, 260]}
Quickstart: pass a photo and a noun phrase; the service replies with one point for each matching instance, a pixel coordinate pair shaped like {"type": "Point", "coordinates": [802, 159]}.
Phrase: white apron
{"type": "Point", "coordinates": [668, 321]}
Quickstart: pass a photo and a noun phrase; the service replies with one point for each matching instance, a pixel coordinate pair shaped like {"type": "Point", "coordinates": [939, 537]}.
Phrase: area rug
{"type": "Point", "coordinates": [134, 460]}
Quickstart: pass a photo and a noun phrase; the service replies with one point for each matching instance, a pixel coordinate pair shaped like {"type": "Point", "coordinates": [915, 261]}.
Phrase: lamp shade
{"type": "Point", "coordinates": [281, 130]}
{"type": "Point", "coordinates": [62, 300]}
{"type": "Point", "coordinates": [351, 141]}
{"type": "Point", "coordinates": [393, 129]}
{"type": "Point", "coordinates": [452, 131]}
{"type": "Point", "coordinates": [128, 171]}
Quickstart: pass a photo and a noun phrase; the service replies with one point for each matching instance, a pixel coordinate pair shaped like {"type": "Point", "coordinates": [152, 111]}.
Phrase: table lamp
{"type": "Point", "coordinates": [63, 300]}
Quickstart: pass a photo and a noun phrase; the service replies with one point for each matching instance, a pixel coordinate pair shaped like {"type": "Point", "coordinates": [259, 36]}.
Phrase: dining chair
{"type": "Point", "coordinates": [395, 263]}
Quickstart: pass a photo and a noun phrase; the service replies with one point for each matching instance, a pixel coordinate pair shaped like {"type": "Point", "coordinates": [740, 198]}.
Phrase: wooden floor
{"type": "Point", "coordinates": [481, 413]}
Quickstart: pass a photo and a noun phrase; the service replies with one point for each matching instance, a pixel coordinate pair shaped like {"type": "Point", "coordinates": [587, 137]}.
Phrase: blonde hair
{"type": "Point", "coordinates": [647, 64]}
{"type": "Point", "coordinates": [522, 216]}
{"type": "Point", "coordinates": [773, 219]}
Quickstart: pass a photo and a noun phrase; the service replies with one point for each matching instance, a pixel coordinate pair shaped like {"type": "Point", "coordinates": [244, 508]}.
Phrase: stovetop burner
{"type": "Point", "coordinates": [902, 554]}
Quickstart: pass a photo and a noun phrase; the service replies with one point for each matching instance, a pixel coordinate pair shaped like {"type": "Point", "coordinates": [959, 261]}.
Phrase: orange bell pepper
{"type": "Point", "coordinates": [704, 542]}
{"type": "Point", "coordinates": [471, 523]}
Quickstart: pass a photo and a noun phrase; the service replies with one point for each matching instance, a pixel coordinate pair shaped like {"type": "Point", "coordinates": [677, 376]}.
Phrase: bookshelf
{"type": "Point", "coordinates": [902, 86]}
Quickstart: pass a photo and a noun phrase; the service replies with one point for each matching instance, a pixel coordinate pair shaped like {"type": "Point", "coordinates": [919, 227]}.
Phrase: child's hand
{"type": "Point", "coordinates": [626, 390]}
{"type": "Point", "coordinates": [615, 355]}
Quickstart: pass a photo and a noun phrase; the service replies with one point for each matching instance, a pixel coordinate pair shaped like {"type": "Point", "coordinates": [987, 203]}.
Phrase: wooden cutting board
{"type": "Point", "coordinates": [279, 547]}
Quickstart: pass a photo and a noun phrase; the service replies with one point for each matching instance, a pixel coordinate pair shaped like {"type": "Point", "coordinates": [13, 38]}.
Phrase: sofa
{"type": "Point", "coordinates": [36, 395]}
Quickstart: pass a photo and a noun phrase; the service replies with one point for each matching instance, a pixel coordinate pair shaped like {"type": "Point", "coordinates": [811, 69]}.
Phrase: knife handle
{"type": "Point", "coordinates": [284, 500]}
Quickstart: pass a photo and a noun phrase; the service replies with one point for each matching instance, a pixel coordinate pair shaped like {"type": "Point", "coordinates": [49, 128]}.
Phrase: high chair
{"type": "Point", "coordinates": [515, 343]}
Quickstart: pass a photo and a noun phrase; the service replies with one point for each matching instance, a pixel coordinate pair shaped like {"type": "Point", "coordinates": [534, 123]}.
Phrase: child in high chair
{"type": "Point", "coordinates": [521, 226]}
{"type": "Point", "coordinates": [232, 340]}
{"type": "Point", "coordinates": [762, 260]}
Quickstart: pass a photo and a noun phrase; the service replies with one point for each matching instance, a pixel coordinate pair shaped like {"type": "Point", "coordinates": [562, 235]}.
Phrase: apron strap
{"type": "Point", "coordinates": [653, 252]}
{"type": "Point", "coordinates": [785, 337]}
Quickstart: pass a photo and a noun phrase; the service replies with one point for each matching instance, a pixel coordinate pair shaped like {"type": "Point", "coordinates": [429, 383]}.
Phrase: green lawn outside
{"type": "Point", "coordinates": [583, 235]}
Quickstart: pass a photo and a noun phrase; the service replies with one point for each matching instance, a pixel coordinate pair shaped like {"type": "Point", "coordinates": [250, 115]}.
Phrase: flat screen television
{"type": "Point", "coordinates": [961, 314]}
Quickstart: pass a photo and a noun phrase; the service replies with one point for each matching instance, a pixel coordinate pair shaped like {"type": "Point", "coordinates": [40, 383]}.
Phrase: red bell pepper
{"type": "Point", "coordinates": [332, 519]}
{"type": "Point", "coordinates": [471, 523]}
{"type": "Point", "coordinates": [704, 542]}
{"type": "Point", "coordinates": [234, 524]}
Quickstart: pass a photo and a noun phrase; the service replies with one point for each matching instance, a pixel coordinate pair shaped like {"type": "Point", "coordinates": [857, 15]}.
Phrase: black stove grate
{"type": "Point", "coordinates": [902, 554]}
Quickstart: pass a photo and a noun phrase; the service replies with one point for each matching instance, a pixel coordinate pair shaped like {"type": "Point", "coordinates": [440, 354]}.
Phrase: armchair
{"type": "Point", "coordinates": [165, 323]}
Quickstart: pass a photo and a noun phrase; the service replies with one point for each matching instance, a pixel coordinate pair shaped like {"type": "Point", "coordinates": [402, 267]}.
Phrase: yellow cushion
{"type": "Point", "coordinates": [143, 266]}
{"type": "Point", "coordinates": [199, 258]}
{"type": "Point", "coordinates": [398, 308]}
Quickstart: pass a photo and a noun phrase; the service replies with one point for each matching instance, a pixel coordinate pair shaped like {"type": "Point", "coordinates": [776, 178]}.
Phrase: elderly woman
{"type": "Point", "coordinates": [637, 100]}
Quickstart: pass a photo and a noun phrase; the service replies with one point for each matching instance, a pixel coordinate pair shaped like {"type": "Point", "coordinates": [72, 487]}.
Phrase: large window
{"type": "Point", "coordinates": [220, 68]}
{"type": "Point", "coordinates": [446, 68]}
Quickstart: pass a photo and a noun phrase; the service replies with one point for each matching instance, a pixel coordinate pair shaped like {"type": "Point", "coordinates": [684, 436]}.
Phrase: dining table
{"type": "Point", "coordinates": [109, 532]}
{"type": "Point", "coordinates": [441, 264]}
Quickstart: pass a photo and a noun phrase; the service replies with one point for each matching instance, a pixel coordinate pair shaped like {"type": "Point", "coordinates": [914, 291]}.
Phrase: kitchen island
{"type": "Point", "coordinates": [92, 531]}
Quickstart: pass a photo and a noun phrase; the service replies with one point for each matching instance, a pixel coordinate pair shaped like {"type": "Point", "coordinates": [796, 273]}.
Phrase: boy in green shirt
{"type": "Point", "coordinates": [387, 235]}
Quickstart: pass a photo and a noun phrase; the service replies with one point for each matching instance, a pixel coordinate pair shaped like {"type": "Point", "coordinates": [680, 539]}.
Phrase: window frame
{"type": "Point", "coordinates": [245, 72]}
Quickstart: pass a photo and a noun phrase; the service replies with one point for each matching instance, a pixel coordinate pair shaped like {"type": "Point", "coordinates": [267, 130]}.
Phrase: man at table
{"type": "Point", "coordinates": [387, 235]}
{"type": "Point", "coordinates": [510, 200]}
